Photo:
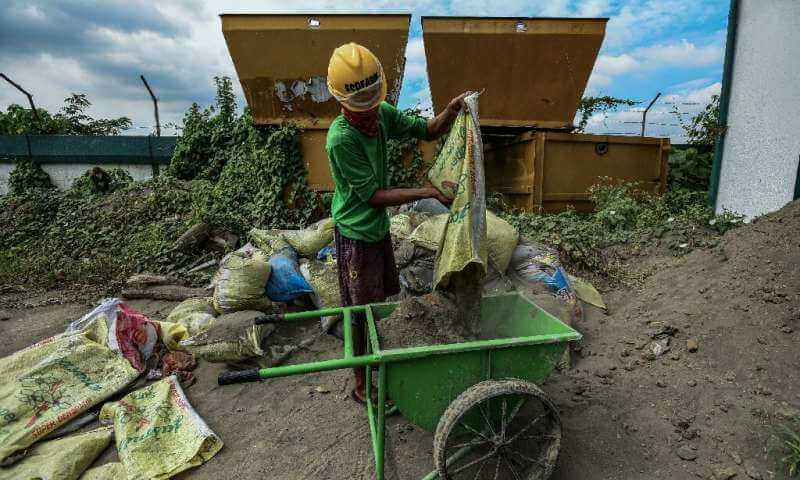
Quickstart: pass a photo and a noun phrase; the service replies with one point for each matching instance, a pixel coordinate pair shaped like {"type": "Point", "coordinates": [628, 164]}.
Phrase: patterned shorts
{"type": "Point", "coordinates": [367, 272]}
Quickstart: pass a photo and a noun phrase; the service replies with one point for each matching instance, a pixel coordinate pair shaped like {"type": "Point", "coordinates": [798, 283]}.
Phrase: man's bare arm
{"type": "Point", "coordinates": [440, 124]}
{"type": "Point", "coordinates": [399, 196]}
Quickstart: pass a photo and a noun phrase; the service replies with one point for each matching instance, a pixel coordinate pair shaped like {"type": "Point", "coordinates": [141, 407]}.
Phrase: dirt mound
{"type": "Point", "coordinates": [432, 319]}
{"type": "Point", "coordinates": [698, 370]}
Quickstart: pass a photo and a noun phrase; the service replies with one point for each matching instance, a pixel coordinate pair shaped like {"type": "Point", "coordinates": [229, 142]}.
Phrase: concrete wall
{"type": "Point", "coordinates": [762, 144]}
{"type": "Point", "coordinates": [63, 174]}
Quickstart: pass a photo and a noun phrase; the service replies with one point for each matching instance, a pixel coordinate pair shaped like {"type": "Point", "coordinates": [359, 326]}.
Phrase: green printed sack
{"type": "Point", "coordinates": [109, 471]}
{"type": "Point", "coordinates": [241, 281]}
{"type": "Point", "coordinates": [63, 459]}
{"type": "Point", "coordinates": [196, 314]}
{"type": "Point", "coordinates": [458, 174]}
{"type": "Point", "coordinates": [158, 433]}
{"type": "Point", "coordinates": [49, 383]}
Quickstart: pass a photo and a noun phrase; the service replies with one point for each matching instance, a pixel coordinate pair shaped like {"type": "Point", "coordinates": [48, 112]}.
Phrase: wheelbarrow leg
{"type": "Point", "coordinates": [381, 421]}
{"type": "Point", "coordinates": [376, 415]}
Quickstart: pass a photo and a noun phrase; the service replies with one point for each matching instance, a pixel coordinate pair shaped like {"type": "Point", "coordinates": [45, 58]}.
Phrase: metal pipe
{"type": "Point", "coordinates": [348, 335]}
{"type": "Point", "coordinates": [460, 453]}
{"type": "Point", "coordinates": [30, 97]}
{"type": "Point", "coordinates": [373, 331]}
{"type": "Point", "coordinates": [724, 101]}
{"type": "Point", "coordinates": [155, 104]}
{"type": "Point", "coordinates": [381, 419]}
{"type": "Point", "coordinates": [321, 366]}
{"type": "Point", "coordinates": [644, 114]}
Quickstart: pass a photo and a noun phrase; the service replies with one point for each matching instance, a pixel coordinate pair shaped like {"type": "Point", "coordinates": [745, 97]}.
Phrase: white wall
{"type": "Point", "coordinates": [762, 145]}
{"type": "Point", "coordinates": [63, 174]}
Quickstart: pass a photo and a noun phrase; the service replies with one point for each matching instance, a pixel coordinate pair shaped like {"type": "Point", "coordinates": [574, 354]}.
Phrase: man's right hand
{"type": "Point", "coordinates": [435, 193]}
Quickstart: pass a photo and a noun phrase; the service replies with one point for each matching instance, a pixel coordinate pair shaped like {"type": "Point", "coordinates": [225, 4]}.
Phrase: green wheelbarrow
{"type": "Point", "coordinates": [480, 398]}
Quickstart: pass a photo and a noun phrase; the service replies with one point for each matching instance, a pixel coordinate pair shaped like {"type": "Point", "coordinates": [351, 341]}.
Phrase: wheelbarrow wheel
{"type": "Point", "coordinates": [498, 429]}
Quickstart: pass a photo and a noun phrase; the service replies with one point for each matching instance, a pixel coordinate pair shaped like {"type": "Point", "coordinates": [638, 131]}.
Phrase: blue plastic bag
{"type": "Point", "coordinates": [285, 281]}
{"type": "Point", "coordinates": [326, 251]}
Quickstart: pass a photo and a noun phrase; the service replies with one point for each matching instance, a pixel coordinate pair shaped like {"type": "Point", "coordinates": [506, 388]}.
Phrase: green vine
{"type": "Point", "coordinates": [244, 176]}
{"type": "Point", "coordinates": [591, 105]}
{"type": "Point", "coordinates": [26, 177]}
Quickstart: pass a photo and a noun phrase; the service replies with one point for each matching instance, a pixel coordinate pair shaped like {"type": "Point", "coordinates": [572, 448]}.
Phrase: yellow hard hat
{"type": "Point", "coordinates": [356, 78]}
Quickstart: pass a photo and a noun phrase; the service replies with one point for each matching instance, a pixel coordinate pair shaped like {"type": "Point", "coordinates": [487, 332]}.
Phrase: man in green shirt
{"type": "Point", "coordinates": [356, 146]}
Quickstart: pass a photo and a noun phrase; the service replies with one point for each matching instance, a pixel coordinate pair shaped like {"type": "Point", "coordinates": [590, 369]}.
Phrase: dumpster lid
{"type": "Point", "coordinates": [282, 60]}
{"type": "Point", "coordinates": [533, 70]}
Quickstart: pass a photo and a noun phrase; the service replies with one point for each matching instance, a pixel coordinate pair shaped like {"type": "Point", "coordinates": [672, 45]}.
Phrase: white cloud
{"type": "Point", "coordinates": [680, 54]}
{"type": "Point", "coordinates": [662, 120]}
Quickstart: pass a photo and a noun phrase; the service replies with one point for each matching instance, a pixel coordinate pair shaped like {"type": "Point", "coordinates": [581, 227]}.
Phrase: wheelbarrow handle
{"type": "Point", "coordinates": [229, 377]}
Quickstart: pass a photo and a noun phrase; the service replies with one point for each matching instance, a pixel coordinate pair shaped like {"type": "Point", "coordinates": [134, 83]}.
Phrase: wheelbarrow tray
{"type": "Point", "coordinates": [527, 344]}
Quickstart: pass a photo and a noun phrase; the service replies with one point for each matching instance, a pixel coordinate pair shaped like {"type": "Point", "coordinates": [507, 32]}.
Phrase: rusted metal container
{"type": "Point", "coordinates": [549, 171]}
{"type": "Point", "coordinates": [533, 71]}
{"type": "Point", "coordinates": [282, 60]}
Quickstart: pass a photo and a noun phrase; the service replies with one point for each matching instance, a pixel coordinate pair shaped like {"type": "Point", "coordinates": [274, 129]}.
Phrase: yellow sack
{"type": "Point", "coordinates": [49, 383]}
{"type": "Point", "coordinates": [108, 471]}
{"type": "Point", "coordinates": [324, 280]}
{"type": "Point", "coordinates": [194, 313]}
{"type": "Point", "coordinates": [241, 281]}
{"type": "Point", "coordinates": [172, 334]}
{"type": "Point", "coordinates": [158, 434]}
{"type": "Point", "coordinates": [232, 339]}
{"type": "Point", "coordinates": [63, 459]}
{"type": "Point", "coordinates": [458, 174]}
{"type": "Point", "coordinates": [268, 241]}
{"type": "Point", "coordinates": [501, 237]}
{"type": "Point", "coordinates": [308, 242]}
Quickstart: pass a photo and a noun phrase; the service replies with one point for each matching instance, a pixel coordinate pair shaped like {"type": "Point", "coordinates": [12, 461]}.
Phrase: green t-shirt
{"type": "Point", "coordinates": [358, 164]}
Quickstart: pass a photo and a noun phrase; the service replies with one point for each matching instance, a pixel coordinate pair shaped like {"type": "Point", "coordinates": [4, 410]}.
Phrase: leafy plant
{"type": "Point", "coordinates": [689, 169]}
{"type": "Point", "coordinates": [51, 236]}
{"type": "Point", "coordinates": [28, 176]}
{"type": "Point", "coordinates": [623, 216]}
{"type": "Point", "coordinates": [792, 459]}
{"type": "Point", "coordinates": [98, 181]}
{"type": "Point", "coordinates": [703, 128]}
{"type": "Point", "coordinates": [591, 105]}
{"type": "Point", "coordinates": [72, 119]}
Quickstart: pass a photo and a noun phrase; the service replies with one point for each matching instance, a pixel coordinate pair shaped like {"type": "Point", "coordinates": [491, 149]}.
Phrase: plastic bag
{"type": "Point", "coordinates": [327, 252]}
{"type": "Point", "coordinates": [535, 264]}
{"type": "Point", "coordinates": [63, 459]}
{"type": "Point", "coordinates": [309, 241]}
{"type": "Point", "coordinates": [231, 339]}
{"type": "Point", "coordinates": [285, 281]}
{"type": "Point", "coordinates": [158, 433]}
{"type": "Point", "coordinates": [54, 381]}
{"type": "Point", "coordinates": [196, 314]}
{"type": "Point", "coordinates": [241, 280]}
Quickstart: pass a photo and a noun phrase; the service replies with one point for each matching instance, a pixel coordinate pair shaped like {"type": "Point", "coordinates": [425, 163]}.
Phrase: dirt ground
{"type": "Point", "coordinates": [629, 411]}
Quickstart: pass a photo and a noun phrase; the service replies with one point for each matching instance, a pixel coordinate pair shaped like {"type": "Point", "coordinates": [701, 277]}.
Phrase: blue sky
{"type": "Point", "coordinates": [99, 47]}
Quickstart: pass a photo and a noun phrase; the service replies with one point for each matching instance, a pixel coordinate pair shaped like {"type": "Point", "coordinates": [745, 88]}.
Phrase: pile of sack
{"type": "Point", "coordinates": [515, 262]}
{"type": "Point", "coordinates": [62, 385]}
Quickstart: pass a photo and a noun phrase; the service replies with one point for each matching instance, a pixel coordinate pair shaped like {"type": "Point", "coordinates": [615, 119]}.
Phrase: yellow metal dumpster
{"type": "Point", "coordinates": [282, 62]}
{"type": "Point", "coordinates": [533, 73]}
